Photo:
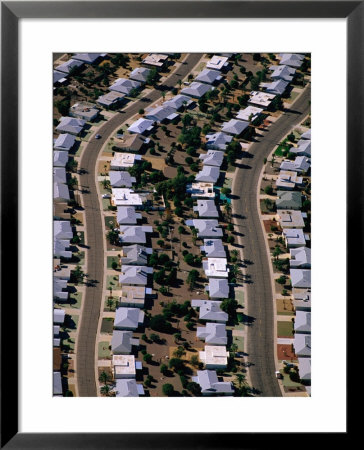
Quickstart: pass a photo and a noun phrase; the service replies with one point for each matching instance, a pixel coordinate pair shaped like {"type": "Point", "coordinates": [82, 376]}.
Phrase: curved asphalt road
{"type": "Point", "coordinates": [260, 338]}
{"type": "Point", "coordinates": [95, 238]}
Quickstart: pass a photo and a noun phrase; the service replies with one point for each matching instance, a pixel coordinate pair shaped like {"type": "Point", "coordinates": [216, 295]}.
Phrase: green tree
{"type": "Point", "coordinates": [105, 390]}
{"type": "Point", "coordinates": [282, 279]}
{"type": "Point", "coordinates": [104, 377]}
{"type": "Point", "coordinates": [147, 358]}
{"type": "Point", "coordinates": [163, 369]}
{"type": "Point", "coordinates": [159, 323]}
{"type": "Point", "coordinates": [176, 364]}
{"type": "Point", "coordinates": [168, 390]}
{"type": "Point", "coordinates": [192, 278]}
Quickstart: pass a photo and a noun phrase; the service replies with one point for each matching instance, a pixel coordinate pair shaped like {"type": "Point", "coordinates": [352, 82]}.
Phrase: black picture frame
{"type": "Point", "coordinates": [11, 12]}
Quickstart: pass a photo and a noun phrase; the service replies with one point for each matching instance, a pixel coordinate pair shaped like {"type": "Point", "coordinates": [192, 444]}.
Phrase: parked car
{"type": "Point", "coordinates": [106, 196]}
{"type": "Point", "coordinates": [97, 136]}
{"type": "Point", "coordinates": [279, 375]}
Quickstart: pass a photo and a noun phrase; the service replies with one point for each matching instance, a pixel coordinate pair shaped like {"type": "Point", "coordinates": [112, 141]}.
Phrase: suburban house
{"type": "Point", "coordinates": [300, 258]}
{"type": "Point", "coordinates": [275, 87]}
{"type": "Point", "coordinates": [64, 142]}
{"type": "Point", "coordinates": [301, 278]}
{"type": "Point", "coordinates": [289, 200]}
{"type": "Point", "coordinates": [83, 110]}
{"type": "Point", "coordinates": [60, 272]}
{"type": "Point", "coordinates": [161, 113]}
{"type": "Point", "coordinates": [58, 290]}
{"type": "Point", "coordinates": [124, 85]}
{"type": "Point", "coordinates": [212, 158]}
{"type": "Point", "coordinates": [128, 388]}
{"type": "Point", "coordinates": [215, 267]}
{"type": "Point", "coordinates": [155, 59]}
{"type": "Point", "coordinates": [89, 58]}
{"type": "Point", "coordinates": [290, 218]}
{"type": "Point", "coordinates": [59, 316]}
{"type": "Point", "coordinates": [60, 158]}
{"type": "Point", "coordinates": [60, 248]}
{"type": "Point", "coordinates": [135, 255]}
{"type": "Point", "coordinates": [196, 89]}
{"type": "Point", "coordinates": [249, 114]}
{"type": "Point", "coordinates": [59, 175]}
{"type": "Point", "coordinates": [304, 368]}
{"type": "Point", "coordinates": [131, 142]}
{"type": "Point", "coordinates": [306, 134]}
{"type": "Point", "coordinates": [208, 174]}
{"type": "Point", "coordinates": [218, 288]}
{"type": "Point", "coordinates": [140, 74]}
{"type": "Point", "coordinates": [218, 63]}
{"type": "Point", "coordinates": [291, 59]}
{"type": "Point", "coordinates": [61, 193]}
{"type": "Point", "coordinates": [126, 215]}
{"type": "Point", "coordinates": [302, 344]}
{"type": "Point", "coordinates": [300, 164]}
{"type": "Point", "coordinates": [62, 229]}
{"type": "Point", "coordinates": [122, 342]}
{"type": "Point", "coordinates": [201, 189]}
{"type": "Point", "coordinates": [133, 296]}
{"type": "Point", "coordinates": [125, 197]}
{"type": "Point", "coordinates": [208, 381]}
{"type": "Point", "coordinates": [213, 248]}
{"type": "Point", "coordinates": [214, 357]}
{"type": "Point", "coordinates": [213, 333]}
{"type": "Point", "coordinates": [70, 125]}
{"type": "Point", "coordinates": [210, 310]}
{"type": "Point", "coordinates": [111, 99]}
{"type": "Point", "coordinates": [141, 126]}
{"type": "Point", "coordinates": [59, 77]}
{"type": "Point", "coordinates": [209, 76]}
{"type": "Point", "coordinates": [123, 161]}
{"type": "Point", "coordinates": [259, 98]}
{"type": "Point", "coordinates": [56, 338]}
{"type": "Point", "coordinates": [134, 234]}
{"type": "Point", "coordinates": [128, 318]}
{"type": "Point", "coordinates": [68, 66]}
{"type": "Point", "coordinates": [178, 101]}
{"type": "Point", "coordinates": [282, 72]}
{"type": "Point", "coordinates": [206, 228]}
{"type": "Point", "coordinates": [302, 322]}
{"type": "Point", "coordinates": [303, 148]}
{"type": "Point", "coordinates": [302, 299]}
{"type": "Point", "coordinates": [136, 275]}
{"type": "Point", "coordinates": [206, 208]}
{"type": "Point", "coordinates": [121, 178]}
{"type": "Point", "coordinates": [217, 141]}
{"type": "Point", "coordinates": [288, 179]}
{"type": "Point", "coordinates": [294, 237]}
{"type": "Point", "coordinates": [234, 127]}
{"type": "Point", "coordinates": [125, 366]}
{"type": "Point", "coordinates": [57, 384]}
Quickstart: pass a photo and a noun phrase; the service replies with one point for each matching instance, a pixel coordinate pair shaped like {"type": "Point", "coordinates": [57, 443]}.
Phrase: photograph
{"type": "Point", "coordinates": [181, 224]}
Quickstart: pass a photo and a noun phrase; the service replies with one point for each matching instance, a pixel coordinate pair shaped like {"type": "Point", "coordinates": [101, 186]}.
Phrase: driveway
{"type": "Point", "coordinates": [87, 385]}
{"type": "Point", "coordinates": [260, 334]}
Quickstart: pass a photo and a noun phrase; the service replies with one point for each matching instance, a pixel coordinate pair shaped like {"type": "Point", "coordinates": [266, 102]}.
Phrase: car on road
{"type": "Point", "coordinates": [97, 136]}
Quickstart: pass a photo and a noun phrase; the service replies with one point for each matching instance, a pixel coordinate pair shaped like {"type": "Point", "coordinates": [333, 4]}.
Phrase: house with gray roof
{"type": "Point", "coordinates": [217, 141]}
{"type": "Point", "coordinates": [249, 114]}
{"type": "Point", "coordinates": [234, 127]}
{"type": "Point", "coordinates": [294, 237]}
{"type": "Point", "coordinates": [62, 229]}
{"type": "Point", "coordinates": [213, 248]}
{"type": "Point", "coordinates": [301, 278]}
{"type": "Point", "coordinates": [121, 178]}
{"type": "Point", "coordinates": [61, 193]}
{"type": "Point", "coordinates": [89, 58]}
{"type": "Point", "coordinates": [289, 200]}
{"type": "Point", "coordinates": [136, 275]}
{"type": "Point", "coordinates": [70, 125]}
{"type": "Point", "coordinates": [218, 288]}
{"type": "Point", "coordinates": [141, 126]}
{"type": "Point", "coordinates": [212, 158]}
{"type": "Point", "coordinates": [210, 385]}
{"type": "Point", "coordinates": [124, 85]}
{"type": "Point", "coordinates": [131, 142]}
{"type": "Point", "coordinates": [206, 208]}
{"type": "Point", "coordinates": [277, 87]}
{"type": "Point", "coordinates": [291, 59]}
{"type": "Point", "coordinates": [282, 72]}
{"type": "Point", "coordinates": [302, 345]}
{"type": "Point", "coordinates": [213, 333]}
{"type": "Point", "coordinates": [178, 101]}
{"type": "Point", "coordinates": [196, 90]}
{"type": "Point", "coordinates": [126, 215]}
{"type": "Point", "coordinates": [56, 338]}
{"type": "Point", "coordinates": [303, 148]}
{"type": "Point", "coordinates": [209, 76]}
{"type": "Point", "coordinates": [208, 174]}
{"type": "Point", "coordinates": [128, 318]}
{"type": "Point", "coordinates": [58, 290]}
{"type": "Point", "coordinates": [59, 175]}
{"type": "Point", "coordinates": [300, 258]}
{"type": "Point", "coordinates": [306, 134]}
{"type": "Point", "coordinates": [161, 113]}
{"type": "Point", "coordinates": [302, 299]}
{"type": "Point", "coordinates": [68, 66]}
{"type": "Point", "coordinates": [300, 164]}
{"type": "Point", "coordinates": [302, 322]}
{"type": "Point", "coordinates": [134, 234]}
{"type": "Point", "coordinates": [57, 384]}
{"type": "Point", "coordinates": [128, 388]}
{"type": "Point", "coordinates": [84, 110]}
{"type": "Point", "coordinates": [61, 248]}
{"type": "Point", "coordinates": [64, 142]}
{"type": "Point", "coordinates": [210, 310]}
{"type": "Point", "coordinates": [122, 342]}
{"type": "Point", "coordinates": [140, 74]}
{"type": "Point", "coordinates": [206, 228]}
{"type": "Point", "coordinates": [60, 158]}
{"type": "Point", "coordinates": [135, 255]}
{"type": "Point", "coordinates": [304, 368]}
{"type": "Point", "coordinates": [59, 316]}
{"type": "Point", "coordinates": [110, 99]}
{"type": "Point", "coordinates": [59, 77]}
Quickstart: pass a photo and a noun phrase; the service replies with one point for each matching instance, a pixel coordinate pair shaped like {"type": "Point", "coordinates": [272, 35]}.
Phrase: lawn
{"type": "Point", "coordinates": [110, 221]}
{"type": "Point", "coordinates": [287, 382]}
{"type": "Point", "coordinates": [239, 296]}
{"type": "Point", "coordinates": [112, 309]}
{"type": "Point", "coordinates": [107, 325]}
{"type": "Point", "coordinates": [81, 256]}
{"type": "Point", "coordinates": [285, 307]}
{"type": "Point", "coordinates": [239, 341]}
{"type": "Point", "coordinates": [104, 352]}
{"type": "Point", "coordinates": [105, 204]}
{"type": "Point", "coordinates": [75, 300]}
{"type": "Point", "coordinates": [102, 189]}
{"type": "Point", "coordinates": [264, 208]}
{"type": "Point", "coordinates": [110, 260]}
{"type": "Point", "coordinates": [112, 281]}
{"type": "Point", "coordinates": [285, 329]}
{"type": "Point", "coordinates": [81, 235]}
